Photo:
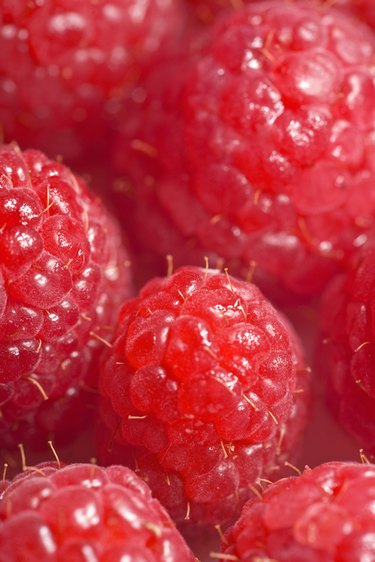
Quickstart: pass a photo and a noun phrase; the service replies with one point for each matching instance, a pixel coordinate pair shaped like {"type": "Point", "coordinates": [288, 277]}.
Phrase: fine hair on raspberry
{"type": "Point", "coordinates": [258, 145]}
{"type": "Point", "coordinates": [347, 361]}
{"type": "Point", "coordinates": [324, 515]}
{"type": "Point", "coordinates": [63, 272]}
{"type": "Point", "coordinates": [67, 64]}
{"type": "Point", "coordinates": [203, 391]}
{"type": "Point", "coordinates": [82, 512]}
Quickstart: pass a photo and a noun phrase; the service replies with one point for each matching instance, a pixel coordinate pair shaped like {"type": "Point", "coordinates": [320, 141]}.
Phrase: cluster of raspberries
{"type": "Point", "coordinates": [187, 274]}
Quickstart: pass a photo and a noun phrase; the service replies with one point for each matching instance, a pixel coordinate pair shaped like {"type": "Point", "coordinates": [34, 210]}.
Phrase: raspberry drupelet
{"type": "Point", "coordinates": [82, 512]}
{"type": "Point", "coordinates": [205, 11]}
{"type": "Point", "coordinates": [66, 64]}
{"type": "Point", "coordinates": [363, 9]}
{"type": "Point", "coordinates": [260, 149]}
{"type": "Point", "coordinates": [348, 334]}
{"type": "Point", "coordinates": [63, 272]}
{"type": "Point", "coordinates": [366, 11]}
{"type": "Point", "coordinates": [324, 515]}
{"type": "Point", "coordinates": [204, 391]}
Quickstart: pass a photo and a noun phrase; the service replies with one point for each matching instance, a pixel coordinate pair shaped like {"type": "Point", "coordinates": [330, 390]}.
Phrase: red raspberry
{"type": "Point", "coordinates": [262, 149]}
{"type": "Point", "coordinates": [65, 64]}
{"type": "Point", "coordinates": [349, 336]}
{"type": "Point", "coordinates": [324, 515]}
{"type": "Point", "coordinates": [63, 273]}
{"type": "Point", "coordinates": [205, 390]}
{"type": "Point", "coordinates": [85, 513]}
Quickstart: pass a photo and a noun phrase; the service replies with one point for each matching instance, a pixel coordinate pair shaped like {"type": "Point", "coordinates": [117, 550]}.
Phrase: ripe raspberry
{"type": "Point", "coordinates": [262, 149]}
{"type": "Point", "coordinates": [63, 273]}
{"type": "Point", "coordinates": [85, 513]}
{"type": "Point", "coordinates": [324, 515]}
{"type": "Point", "coordinates": [349, 335]}
{"type": "Point", "coordinates": [204, 389]}
{"type": "Point", "coordinates": [66, 64]}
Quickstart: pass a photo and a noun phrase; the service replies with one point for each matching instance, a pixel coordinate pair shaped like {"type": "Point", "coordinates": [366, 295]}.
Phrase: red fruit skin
{"type": "Point", "coordinates": [63, 272]}
{"type": "Point", "coordinates": [363, 9]}
{"type": "Point", "coordinates": [324, 515]}
{"type": "Point", "coordinates": [203, 391]}
{"type": "Point", "coordinates": [366, 11]}
{"type": "Point", "coordinates": [67, 64]}
{"type": "Point", "coordinates": [347, 358]}
{"type": "Point", "coordinates": [84, 512]}
{"type": "Point", "coordinates": [256, 147]}
{"type": "Point", "coordinates": [207, 11]}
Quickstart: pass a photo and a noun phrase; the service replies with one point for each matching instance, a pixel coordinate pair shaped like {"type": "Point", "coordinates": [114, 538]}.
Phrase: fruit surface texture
{"type": "Point", "coordinates": [66, 64]}
{"type": "Point", "coordinates": [82, 512]}
{"type": "Point", "coordinates": [258, 146]}
{"type": "Point", "coordinates": [348, 336]}
{"type": "Point", "coordinates": [324, 515]}
{"type": "Point", "coordinates": [206, 11]}
{"type": "Point", "coordinates": [63, 268]}
{"type": "Point", "coordinates": [204, 391]}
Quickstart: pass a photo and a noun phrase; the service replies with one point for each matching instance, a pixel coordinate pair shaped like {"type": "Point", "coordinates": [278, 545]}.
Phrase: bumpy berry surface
{"type": "Point", "coordinates": [206, 11]}
{"type": "Point", "coordinates": [65, 65]}
{"type": "Point", "coordinates": [205, 389]}
{"type": "Point", "coordinates": [324, 515]}
{"type": "Point", "coordinates": [261, 148]}
{"type": "Point", "coordinates": [63, 273]}
{"type": "Point", "coordinates": [363, 9]}
{"type": "Point", "coordinates": [82, 512]}
{"type": "Point", "coordinates": [349, 347]}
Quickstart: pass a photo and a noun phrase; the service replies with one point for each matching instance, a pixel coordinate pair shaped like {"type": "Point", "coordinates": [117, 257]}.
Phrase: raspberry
{"type": "Point", "coordinates": [63, 273]}
{"type": "Point", "coordinates": [204, 390]}
{"type": "Point", "coordinates": [260, 149]}
{"type": "Point", "coordinates": [65, 65]}
{"type": "Point", "coordinates": [84, 512]}
{"type": "Point", "coordinates": [349, 336]}
{"type": "Point", "coordinates": [324, 515]}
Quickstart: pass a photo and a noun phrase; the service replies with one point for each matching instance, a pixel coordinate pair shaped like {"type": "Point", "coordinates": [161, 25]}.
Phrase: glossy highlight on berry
{"type": "Point", "coordinates": [324, 515]}
{"type": "Point", "coordinates": [61, 261]}
{"type": "Point", "coordinates": [204, 390]}
{"type": "Point", "coordinates": [84, 512]}
{"type": "Point", "coordinates": [263, 146]}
